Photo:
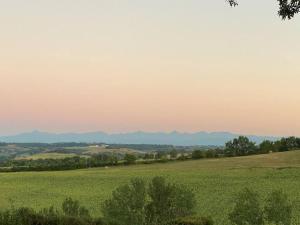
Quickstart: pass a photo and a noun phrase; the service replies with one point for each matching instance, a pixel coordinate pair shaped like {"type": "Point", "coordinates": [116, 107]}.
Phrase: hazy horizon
{"type": "Point", "coordinates": [122, 66]}
{"type": "Point", "coordinates": [133, 131]}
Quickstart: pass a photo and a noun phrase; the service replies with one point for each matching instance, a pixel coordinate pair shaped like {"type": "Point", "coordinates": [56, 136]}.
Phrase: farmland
{"type": "Point", "coordinates": [44, 151]}
{"type": "Point", "coordinates": [215, 181]}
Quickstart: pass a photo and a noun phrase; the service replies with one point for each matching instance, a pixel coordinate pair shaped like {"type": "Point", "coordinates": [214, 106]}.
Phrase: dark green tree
{"type": "Point", "coordinates": [287, 8]}
{"type": "Point", "coordinates": [72, 207]}
{"type": "Point", "coordinates": [198, 154]}
{"type": "Point", "coordinates": [211, 153]}
{"type": "Point", "coordinates": [127, 205]}
{"type": "Point", "coordinates": [129, 158]}
{"type": "Point", "coordinates": [160, 203]}
{"type": "Point", "coordinates": [173, 154]}
{"type": "Point", "coordinates": [168, 201]}
{"type": "Point", "coordinates": [239, 147]}
{"type": "Point", "coordinates": [267, 146]}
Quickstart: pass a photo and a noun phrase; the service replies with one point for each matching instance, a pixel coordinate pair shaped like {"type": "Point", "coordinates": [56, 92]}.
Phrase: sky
{"type": "Point", "coordinates": [159, 65]}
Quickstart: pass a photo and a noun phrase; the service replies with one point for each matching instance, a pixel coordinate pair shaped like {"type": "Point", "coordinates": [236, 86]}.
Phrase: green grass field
{"type": "Point", "coordinates": [214, 181]}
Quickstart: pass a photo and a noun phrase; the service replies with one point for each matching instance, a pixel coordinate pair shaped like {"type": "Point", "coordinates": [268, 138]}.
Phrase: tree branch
{"type": "Point", "coordinates": [287, 8]}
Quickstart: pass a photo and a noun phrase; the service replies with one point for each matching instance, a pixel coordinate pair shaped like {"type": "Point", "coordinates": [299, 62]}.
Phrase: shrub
{"type": "Point", "coordinates": [71, 207]}
{"type": "Point", "coordinates": [50, 216]}
{"type": "Point", "coordinates": [127, 205]}
{"type": "Point", "coordinates": [278, 209]}
{"type": "Point", "coordinates": [160, 203]}
{"type": "Point", "coordinates": [193, 221]}
{"type": "Point", "coordinates": [168, 201]}
{"type": "Point", "coordinates": [247, 210]}
{"type": "Point", "coordinates": [198, 154]}
{"type": "Point", "coordinates": [129, 159]}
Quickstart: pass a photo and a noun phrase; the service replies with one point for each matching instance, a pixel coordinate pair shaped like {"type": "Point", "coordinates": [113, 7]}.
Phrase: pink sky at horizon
{"type": "Point", "coordinates": [120, 66]}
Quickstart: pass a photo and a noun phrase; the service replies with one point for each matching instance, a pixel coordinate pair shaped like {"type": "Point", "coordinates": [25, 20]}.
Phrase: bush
{"type": "Point", "coordinates": [127, 205]}
{"type": "Point", "coordinates": [247, 210]}
{"type": "Point", "coordinates": [198, 154]}
{"type": "Point", "coordinates": [193, 221]}
{"type": "Point", "coordinates": [50, 216]}
{"type": "Point", "coordinates": [168, 201]}
{"type": "Point", "coordinates": [160, 203]}
{"type": "Point", "coordinates": [278, 209]}
{"type": "Point", "coordinates": [129, 159]}
{"type": "Point", "coordinates": [71, 207]}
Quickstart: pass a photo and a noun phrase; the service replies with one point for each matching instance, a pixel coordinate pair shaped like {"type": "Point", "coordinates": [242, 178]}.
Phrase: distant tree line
{"type": "Point", "coordinates": [242, 146]}
{"type": "Point", "coordinates": [68, 163]}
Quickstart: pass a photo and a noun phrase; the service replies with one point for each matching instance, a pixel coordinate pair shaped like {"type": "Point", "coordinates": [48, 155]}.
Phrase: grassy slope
{"type": "Point", "coordinates": [214, 181]}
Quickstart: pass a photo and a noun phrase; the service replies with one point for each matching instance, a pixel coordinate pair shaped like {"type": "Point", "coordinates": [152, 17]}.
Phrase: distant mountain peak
{"type": "Point", "coordinates": [138, 137]}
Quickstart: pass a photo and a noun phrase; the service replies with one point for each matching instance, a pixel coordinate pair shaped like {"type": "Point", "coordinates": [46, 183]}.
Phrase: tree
{"type": "Point", "coordinates": [198, 154]}
{"type": "Point", "coordinates": [287, 144]}
{"type": "Point", "coordinates": [160, 203]}
{"type": "Point", "coordinates": [247, 210]}
{"type": "Point", "coordinates": [173, 154]}
{"type": "Point", "coordinates": [127, 205]}
{"type": "Point", "coordinates": [149, 156]}
{"type": "Point", "coordinates": [211, 153]}
{"type": "Point", "coordinates": [239, 147]}
{"type": "Point", "coordinates": [287, 8]}
{"type": "Point", "coordinates": [168, 201]}
{"type": "Point", "coordinates": [266, 146]}
{"type": "Point", "coordinates": [278, 209]}
{"type": "Point", "coordinates": [71, 207]}
{"type": "Point", "coordinates": [130, 158]}
{"type": "Point", "coordinates": [160, 155]}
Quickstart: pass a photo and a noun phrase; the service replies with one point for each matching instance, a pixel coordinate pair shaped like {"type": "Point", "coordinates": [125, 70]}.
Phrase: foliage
{"type": "Point", "coordinates": [287, 8]}
{"type": "Point", "coordinates": [240, 146]}
{"type": "Point", "coordinates": [130, 159]}
{"type": "Point", "coordinates": [71, 207]}
{"type": "Point", "coordinates": [160, 203]}
{"type": "Point", "coordinates": [127, 204]}
{"type": "Point", "coordinates": [47, 216]}
{"type": "Point", "coordinates": [193, 221]}
{"type": "Point", "coordinates": [198, 154]}
{"type": "Point", "coordinates": [168, 201]}
{"type": "Point", "coordinates": [173, 154]}
{"type": "Point", "coordinates": [278, 209]}
{"type": "Point", "coordinates": [247, 209]}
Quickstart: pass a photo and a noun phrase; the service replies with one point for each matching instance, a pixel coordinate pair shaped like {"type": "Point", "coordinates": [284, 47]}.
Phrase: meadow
{"type": "Point", "coordinates": [214, 181]}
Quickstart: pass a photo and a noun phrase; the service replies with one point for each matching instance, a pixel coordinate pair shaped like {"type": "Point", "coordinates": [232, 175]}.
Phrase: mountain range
{"type": "Point", "coordinates": [161, 138]}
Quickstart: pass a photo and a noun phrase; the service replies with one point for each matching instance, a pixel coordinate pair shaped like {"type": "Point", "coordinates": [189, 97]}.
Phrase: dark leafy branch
{"type": "Point", "coordinates": [287, 8]}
